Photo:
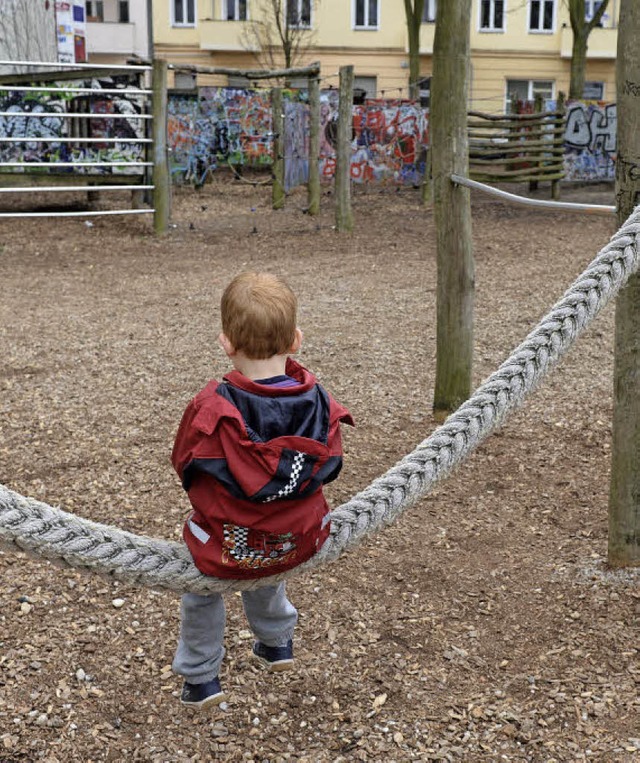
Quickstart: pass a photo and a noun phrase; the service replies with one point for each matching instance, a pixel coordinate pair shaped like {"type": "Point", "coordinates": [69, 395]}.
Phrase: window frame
{"type": "Point", "coordinates": [224, 11]}
{"type": "Point", "coordinates": [98, 16]}
{"type": "Point", "coordinates": [184, 24]}
{"type": "Point", "coordinates": [368, 83]}
{"type": "Point", "coordinates": [602, 85]}
{"type": "Point", "coordinates": [429, 11]}
{"type": "Point", "coordinates": [366, 27]}
{"type": "Point", "coordinates": [299, 4]}
{"type": "Point", "coordinates": [530, 89]}
{"type": "Point", "coordinates": [492, 29]}
{"type": "Point", "coordinates": [122, 4]}
{"type": "Point", "coordinates": [541, 29]}
{"type": "Point", "coordinates": [593, 5]}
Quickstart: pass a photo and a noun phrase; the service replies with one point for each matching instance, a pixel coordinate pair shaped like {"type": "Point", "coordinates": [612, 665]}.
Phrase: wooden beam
{"type": "Point", "coordinates": [624, 490]}
{"type": "Point", "coordinates": [313, 70]}
{"type": "Point", "coordinates": [452, 207]}
{"type": "Point", "coordinates": [344, 215]}
{"type": "Point", "coordinates": [161, 179]}
{"type": "Point", "coordinates": [277, 189]}
{"type": "Point", "coordinates": [313, 188]}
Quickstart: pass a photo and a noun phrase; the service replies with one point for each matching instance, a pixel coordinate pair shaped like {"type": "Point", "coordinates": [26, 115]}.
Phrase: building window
{"type": "Point", "coordinates": [236, 10]}
{"type": "Point", "coordinates": [593, 91]}
{"type": "Point", "coordinates": [364, 88]}
{"type": "Point", "coordinates": [95, 10]}
{"type": "Point", "coordinates": [299, 13]}
{"type": "Point", "coordinates": [590, 9]}
{"type": "Point", "coordinates": [366, 14]}
{"type": "Point", "coordinates": [429, 11]}
{"type": "Point", "coordinates": [541, 15]}
{"type": "Point", "coordinates": [184, 12]}
{"type": "Point", "coordinates": [123, 11]}
{"type": "Point", "coordinates": [425, 92]}
{"type": "Point", "coordinates": [527, 90]}
{"type": "Point", "coordinates": [492, 15]}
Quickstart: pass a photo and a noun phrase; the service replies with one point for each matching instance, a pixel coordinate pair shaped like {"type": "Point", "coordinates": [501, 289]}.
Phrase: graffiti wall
{"type": "Point", "coordinates": [590, 141]}
{"type": "Point", "coordinates": [296, 144]}
{"type": "Point", "coordinates": [219, 126]}
{"type": "Point", "coordinates": [389, 141]}
{"type": "Point", "coordinates": [41, 135]}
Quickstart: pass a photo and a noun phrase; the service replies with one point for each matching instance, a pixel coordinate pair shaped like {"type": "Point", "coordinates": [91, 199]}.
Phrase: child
{"type": "Point", "coordinates": [253, 453]}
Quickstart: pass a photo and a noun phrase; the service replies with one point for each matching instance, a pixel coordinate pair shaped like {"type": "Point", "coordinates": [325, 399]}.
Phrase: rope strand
{"type": "Point", "coordinates": [54, 534]}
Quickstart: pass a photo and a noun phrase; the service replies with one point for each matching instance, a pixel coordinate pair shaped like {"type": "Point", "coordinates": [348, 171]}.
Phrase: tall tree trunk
{"type": "Point", "coordinates": [413, 14]}
{"type": "Point", "coordinates": [578, 63]}
{"type": "Point", "coordinates": [624, 494]}
{"type": "Point", "coordinates": [581, 29]}
{"type": "Point", "coordinates": [452, 207]}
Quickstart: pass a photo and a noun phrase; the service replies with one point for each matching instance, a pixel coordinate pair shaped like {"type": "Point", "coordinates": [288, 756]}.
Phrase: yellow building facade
{"type": "Point", "coordinates": [519, 48]}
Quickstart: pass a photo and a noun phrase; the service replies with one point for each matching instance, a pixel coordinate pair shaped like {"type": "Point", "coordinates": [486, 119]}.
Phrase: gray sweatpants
{"type": "Point", "coordinates": [272, 618]}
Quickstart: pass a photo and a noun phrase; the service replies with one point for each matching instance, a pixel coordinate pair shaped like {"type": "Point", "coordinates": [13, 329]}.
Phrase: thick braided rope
{"type": "Point", "coordinates": [52, 533]}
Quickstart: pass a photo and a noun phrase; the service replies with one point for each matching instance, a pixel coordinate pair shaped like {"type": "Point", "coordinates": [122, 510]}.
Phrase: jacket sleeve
{"type": "Point", "coordinates": [186, 441]}
{"type": "Point", "coordinates": [338, 414]}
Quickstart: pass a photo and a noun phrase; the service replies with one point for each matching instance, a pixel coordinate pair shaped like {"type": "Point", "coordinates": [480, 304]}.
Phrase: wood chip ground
{"type": "Point", "coordinates": [483, 626]}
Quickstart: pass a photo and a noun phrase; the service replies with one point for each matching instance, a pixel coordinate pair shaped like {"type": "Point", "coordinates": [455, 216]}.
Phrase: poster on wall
{"type": "Point", "coordinates": [71, 28]}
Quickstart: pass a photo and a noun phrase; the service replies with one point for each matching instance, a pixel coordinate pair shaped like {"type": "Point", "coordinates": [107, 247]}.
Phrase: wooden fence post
{"type": "Point", "coordinates": [277, 189]}
{"type": "Point", "coordinates": [452, 207]}
{"type": "Point", "coordinates": [313, 188]}
{"type": "Point", "coordinates": [344, 215]}
{"type": "Point", "coordinates": [559, 124]}
{"type": "Point", "coordinates": [427, 182]}
{"type": "Point", "coordinates": [538, 107]}
{"type": "Point", "coordinates": [624, 490]}
{"type": "Point", "coordinates": [161, 179]}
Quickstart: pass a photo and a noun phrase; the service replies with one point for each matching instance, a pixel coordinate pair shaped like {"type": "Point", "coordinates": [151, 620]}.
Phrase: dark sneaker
{"type": "Point", "coordinates": [274, 658]}
{"type": "Point", "coordinates": [202, 695]}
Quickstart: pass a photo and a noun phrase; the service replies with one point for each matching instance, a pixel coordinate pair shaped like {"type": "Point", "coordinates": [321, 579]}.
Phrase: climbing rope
{"type": "Point", "coordinates": [52, 533]}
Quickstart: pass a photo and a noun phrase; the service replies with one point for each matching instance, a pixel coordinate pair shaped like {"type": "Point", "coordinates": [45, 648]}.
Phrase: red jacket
{"type": "Point", "coordinates": [253, 459]}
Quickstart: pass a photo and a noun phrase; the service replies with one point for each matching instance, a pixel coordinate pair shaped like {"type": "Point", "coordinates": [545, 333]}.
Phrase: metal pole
{"type": "Point", "coordinates": [79, 214]}
{"type": "Point", "coordinates": [597, 209]}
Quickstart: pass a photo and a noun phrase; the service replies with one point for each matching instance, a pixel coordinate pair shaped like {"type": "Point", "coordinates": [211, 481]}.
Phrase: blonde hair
{"type": "Point", "coordinates": [258, 312]}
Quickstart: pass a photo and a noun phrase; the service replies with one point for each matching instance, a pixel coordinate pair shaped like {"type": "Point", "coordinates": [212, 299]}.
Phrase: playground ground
{"type": "Point", "coordinates": [482, 626]}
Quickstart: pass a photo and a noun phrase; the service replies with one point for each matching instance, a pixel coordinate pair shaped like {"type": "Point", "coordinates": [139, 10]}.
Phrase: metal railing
{"type": "Point", "coordinates": [91, 161]}
{"type": "Point", "coordinates": [568, 206]}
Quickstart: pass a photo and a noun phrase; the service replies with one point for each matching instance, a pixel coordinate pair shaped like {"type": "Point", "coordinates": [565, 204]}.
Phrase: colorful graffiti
{"type": "Point", "coordinates": [228, 126]}
{"type": "Point", "coordinates": [590, 141]}
{"type": "Point", "coordinates": [389, 142]}
{"type": "Point", "coordinates": [218, 126]}
{"type": "Point", "coordinates": [296, 144]}
{"type": "Point", "coordinates": [42, 144]}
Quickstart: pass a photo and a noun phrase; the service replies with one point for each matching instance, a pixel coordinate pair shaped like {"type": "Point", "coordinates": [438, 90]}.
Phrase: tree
{"type": "Point", "coordinates": [413, 10]}
{"type": "Point", "coordinates": [624, 491]}
{"type": "Point", "coordinates": [581, 28]}
{"type": "Point", "coordinates": [280, 33]}
{"type": "Point", "coordinates": [452, 206]}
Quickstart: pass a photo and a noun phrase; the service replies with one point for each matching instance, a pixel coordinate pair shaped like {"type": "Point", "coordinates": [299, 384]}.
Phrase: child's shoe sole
{"type": "Point", "coordinates": [207, 702]}
{"type": "Point", "coordinates": [279, 666]}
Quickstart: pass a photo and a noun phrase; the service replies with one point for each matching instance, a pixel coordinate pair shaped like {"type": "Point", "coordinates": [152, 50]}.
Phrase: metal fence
{"type": "Point", "coordinates": [81, 127]}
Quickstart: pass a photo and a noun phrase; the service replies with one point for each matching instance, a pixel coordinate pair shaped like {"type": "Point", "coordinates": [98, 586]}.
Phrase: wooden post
{"type": "Point", "coordinates": [538, 108]}
{"type": "Point", "coordinates": [277, 189]}
{"type": "Point", "coordinates": [452, 207]}
{"type": "Point", "coordinates": [427, 182]}
{"type": "Point", "coordinates": [161, 179]}
{"type": "Point", "coordinates": [93, 197]}
{"type": "Point", "coordinates": [344, 215]}
{"type": "Point", "coordinates": [137, 199]}
{"type": "Point", "coordinates": [313, 188]}
{"type": "Point", "coordinates": [624, 491]}
{"type": "Point", "coordinates": [555, 184]}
